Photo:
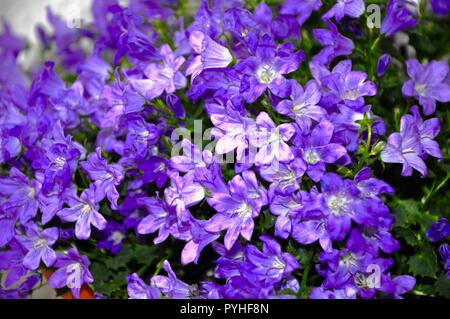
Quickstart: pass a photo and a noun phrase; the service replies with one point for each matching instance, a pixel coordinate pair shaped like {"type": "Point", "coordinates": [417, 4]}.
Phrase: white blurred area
{"type": "Point", "coordinates": [24, 15]}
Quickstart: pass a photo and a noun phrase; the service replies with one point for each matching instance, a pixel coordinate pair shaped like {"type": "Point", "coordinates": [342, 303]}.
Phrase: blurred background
{"type": "Point", "coordinates": [24, 15]}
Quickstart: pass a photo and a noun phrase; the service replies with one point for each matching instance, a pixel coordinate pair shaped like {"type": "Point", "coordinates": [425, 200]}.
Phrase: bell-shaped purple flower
{"type": "Point", "coordinates": [210, 54]}
{"type": "Point", "coordinates": [84, 211]}
{"type": "Point", "coordinates": [72, 272]}
{"type": "Point", "coordinates": [237, 208]}
{"type": "Point", "coordinates": [399, 16]}
{"type": "Point", "coordinates": [160, 78]}
{"type": "Point", "coordinates": [303, 105]}
{"type": "Point", "coordinates": [105, 176]}
{"type": "Point", "coordinates": [316, 149]}
{"type": "Point", "coordinates": [265, 70]}
{"type": "Point", "coordinates": [137, 289]}
{"type": "Point", "coordinates": [271, 140]}
{"type": "Point", "coordinates": [270, 265]}
{"type": "Point", "coordinates": [428, 83]}
{"type": "Point", "coordinates": [171, 286]}
{"type": "Point", "coordinates": [38, 244]}
{"type": "Point", "coordinates": [383, 63]}
{"type": "Point", "coordinates": [183, 193]}
{"type": "Point", "coordinates": [349, 8]}
{"type": "Point", "coordinates": [439, 230]}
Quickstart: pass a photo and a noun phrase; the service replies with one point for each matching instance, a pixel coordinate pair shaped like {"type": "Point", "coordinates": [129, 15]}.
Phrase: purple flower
{"type": "Point", "coordinates": [154, 169]}
{"type": "Point", "coordinates": [113, 236]}
{"type": "Point", "coordinates": [369, 186]}
{"type": "Point", "coordinates": [309, 224]}
{"type": "Point", "coordinates": [265, 70]}
{"type": "Point", "coordinates": [303, 106]}
{"type": "Point", "coordinates": [106, 177]}
{"type": "Point", "coordinates": [57, 159]}
{"type": "Point", "coordinates": [21, 193]}
{"type": "Point", "coordinates": [284, 178]}
{"type": "Point", "coordinates": [210, 54]}
{"type": "Point", "coordinates": [350, 8]}
{"type": "Point", "coordinates": [183, 193]}
{"type": "Point", "coordinates": [161, 218]}
{"type": "Point", "coordinates": [440, 7]}
{"type": "Point", "coordinates": [38, 244]}
{"type": "Point", "coordinates": [171, 286]}
{"type": "Point", "coordinates": [191, 159]}
{"type": "Point", "coordinates": [302, 9]}
{"type": "Point", "coordinates": [341, 205]}
{"type": "Point", "coordinates": [444, 251]}
{"type": "Point", "coordinates": [334, 44]}
{"type": "Point", "coordinates": [9, 146]}
{"type": "Point", "coordinates": [399, 16]}
{"type": "Point", "coordinates": [439, 230]}
{"type": "Point", "coordinates": [137, 289]}
{"type": "Point", "coordinates": [285, 208]}
{"type": "Point", "coordinates": [22, 291]}
{"type": "Point", "coordinates": [232, 129]}
{"type": "Point", "coordinates": [270, 265]}
{"type": "Point", "coordinates": [73, 271]}
{"type": "Point", "coordinates": [383, 63]}
{"type": "Point", "coordinates": [316, 149]}
{"type": "Point", "coordinates": [237, 208]}
{"type": "Point", "coordinates": [8, 219]}
{"type": "Point", "coordinates": [375, 238]}
{"type": "Point", "coordinates": [84, 211]}
{"type": "Point", "coordinates": [428, 130]}
{"type": "Point", "coordinates": [199, 239]}
{"type": "Point", "coordinates": [160, 78]}
{"type": "Point", "coordinates": [271, 140]}
{"type": "Point", "coordinates": [345, 85]}
{"type": "Point", "coordinates": [11, 261]}
{"type": "Point", "coordinates": [427, 84]}
{"type": "Point", "coordinates": [140, 136]}
{"type": "Point", "coordinates": [406, 146]}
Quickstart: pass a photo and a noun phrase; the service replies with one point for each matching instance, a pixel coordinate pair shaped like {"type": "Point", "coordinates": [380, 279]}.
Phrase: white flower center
{"type": "Point", "coordinates": [266, 73]}
{"type": "Point", "coordinates": [278, 263]}
{"type": "Point", "coordinates": [245, 210]}
{"type": "Point", "coordinates": [161, 167]}
{"type": "Point", "coordinates": [117, 237]}
{"type": "Point", "coordinates": [311, 156]}
{"type": "Point", "coordinates": [337, 203]}
{"type": "Point", "coordinates": [348, 260]}
{"type": "Point", "coordinates": [60, 161]}
{"type": "Point", "coordinates": [351, 95]}
{"type": "Point", "coordinates": [299, 109]}
{"type": "Point", "coordinates": [41, 242]}
{"type": "Point", "coordinates": [420, 89]}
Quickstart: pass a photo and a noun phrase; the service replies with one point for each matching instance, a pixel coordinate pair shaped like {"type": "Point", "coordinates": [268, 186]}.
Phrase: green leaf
{"type": "Point", "coordinates": [407, 235]}
{"type": "Point", "coordinates": [424, 263]}
{"type": "Point", "coordinates": [146, 254]}
{"type": "Point", "coordinates": [443, 286]}
{"type": "Point", "coordinates": [122, 258]}
{"type": "Point", "coordinates": [405, 212]}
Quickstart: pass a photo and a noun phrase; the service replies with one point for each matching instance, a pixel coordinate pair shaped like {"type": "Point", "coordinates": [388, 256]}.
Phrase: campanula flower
{"type": "Point", "coordinates": [84, 211]}
{"type": "Point", "coordinates": [400, 14]}
{"type": "Point", "coordinates": [105, 176]}
{"type": "Point", "coordinates": [427, 84]}
{"type": "Point", "coordinates": [72, 272]}
{"type": "Point", "coordinates": [38, 243]}
{"type": "Point", "coordinates": [210, 54]}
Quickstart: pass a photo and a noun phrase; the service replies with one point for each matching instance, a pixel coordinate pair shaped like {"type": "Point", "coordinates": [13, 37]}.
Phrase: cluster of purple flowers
{"type": "Point", "coordinates": [105, 139]}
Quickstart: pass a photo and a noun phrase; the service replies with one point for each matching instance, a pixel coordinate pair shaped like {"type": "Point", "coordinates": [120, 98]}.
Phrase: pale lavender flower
{"type": "Point", "coordinates": [84, 211]}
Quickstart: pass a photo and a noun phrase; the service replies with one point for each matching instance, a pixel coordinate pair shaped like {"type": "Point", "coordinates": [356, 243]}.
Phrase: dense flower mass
{"type": "Point", "coordinates": [251, 140]}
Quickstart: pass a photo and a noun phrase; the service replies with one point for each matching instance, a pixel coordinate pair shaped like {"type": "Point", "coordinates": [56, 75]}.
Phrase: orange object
{"type": "Point", "coordinates": [85, 293]}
